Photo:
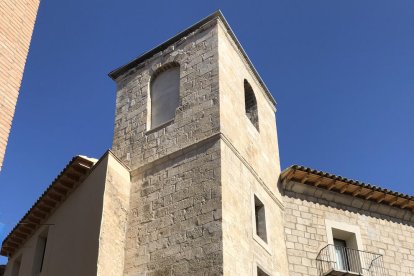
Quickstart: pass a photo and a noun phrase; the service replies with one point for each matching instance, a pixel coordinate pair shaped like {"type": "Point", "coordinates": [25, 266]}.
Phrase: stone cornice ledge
{"type": "Point", "coordinates": [347, 202]}
{"type": "Point", "coordinates": [252, 171]}
{"type": "Point", "coordinates": [212, 138]}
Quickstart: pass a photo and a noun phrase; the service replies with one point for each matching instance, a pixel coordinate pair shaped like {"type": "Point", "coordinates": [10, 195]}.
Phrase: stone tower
{"type": "Point", "coordinates": [196, 125]}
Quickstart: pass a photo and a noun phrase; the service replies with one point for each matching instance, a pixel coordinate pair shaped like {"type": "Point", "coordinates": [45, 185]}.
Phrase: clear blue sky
{"type": "Point", "coordinates": [342, 73]}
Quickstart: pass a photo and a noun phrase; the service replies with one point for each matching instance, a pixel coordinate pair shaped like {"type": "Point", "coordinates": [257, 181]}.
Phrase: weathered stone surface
{"type": "Point", "coordinates": [174, 221]}
{"type": "Point", "coordinates": [197, 116]}
{"type": "Point", "coordinates": [306, 217]}
{"type": "Point", "coordinates": [173, 229]}
{"type": "Point", "coordinates": [208, 161]}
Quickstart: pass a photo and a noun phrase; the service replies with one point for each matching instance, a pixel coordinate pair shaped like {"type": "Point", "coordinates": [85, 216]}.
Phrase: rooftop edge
{"type": "Point", "coordinates": [114, 74]}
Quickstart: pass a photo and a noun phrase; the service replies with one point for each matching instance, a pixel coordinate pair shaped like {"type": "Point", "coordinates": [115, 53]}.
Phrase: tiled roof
{"type": "Point", "coordinates": [67, 181]}
{"type": "Point", "coordinates": [344, 185]}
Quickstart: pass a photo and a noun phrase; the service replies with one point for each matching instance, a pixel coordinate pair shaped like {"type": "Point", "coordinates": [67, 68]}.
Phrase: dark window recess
{"type": "Point", "coordinates": [261, 272]}
{"type": "Point", "coordinates": [250, 105]}
{"type": "Point", "coordinates": [39, 257]}
{"type": "Point", "coordinates": [43, 253]}
{"type": "Point", "coordinates": [260, 219]}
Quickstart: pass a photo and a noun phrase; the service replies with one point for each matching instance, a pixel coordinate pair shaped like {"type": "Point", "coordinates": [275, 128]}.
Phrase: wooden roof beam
{"type": "Point", "coordinates": [80, 168]}
{"type": "Point", "coordinates": [33, 219]}
{"type": "Point", "coordinates": [357, 191]}
{"type": "Point", "coordinates": [331, 185]}
{"type": "Point", "coordinates": [53, 196]}
{"type": "Point", "coordinates": [12, 244]}
{"type": "Point", "coordinates": [290, 175]}
{"type": "Point", "coordinates": [43, 207]}
{"type": "Point", "coordinates": [67, 183]}
{"type": "Point", "coordinates": [27, 225]}
{"type": "Point", "coordinates": [85, 163]}
{"type": "Point", "coordinates": [8, 249]}
{"type": "Point", "coordinates": [405, 204]}
{"type": "Point", "coordinates": [343, 189]}
{"type": "Point", "coordinates": [20, 234]}
{"type": "Point", "coordinates": [60, 191]}
{"type": "Point", "coordinates": [369, 195]}
{"type": "Point", "coordinates": [318, 181]}
{"type": "Point", "coordinates": [39, 213]}
{"type": "Point", "coordinates": [305, 179]}
{"type": "Point", "coordinates": [394, 201]}
{"type": "Point", "coordinates": [381, 198]}
{"type": "Point", "coordinates": [74, 176]}
{"type": "Point", "coordinates": [63, 187]}
{"type": "Point", "coordinates": [16, 239]}
{"type": "Point", "coordinates": [25, 231]}
{"type": "Point", "coordinates": [49, 202]}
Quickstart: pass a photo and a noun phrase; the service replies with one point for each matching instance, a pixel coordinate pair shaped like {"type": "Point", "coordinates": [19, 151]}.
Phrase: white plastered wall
{"type": "Point", "coordinates": [77, 231]}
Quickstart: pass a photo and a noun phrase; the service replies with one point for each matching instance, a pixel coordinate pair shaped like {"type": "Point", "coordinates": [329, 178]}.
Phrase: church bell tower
{"type": "Point", "coordinates": [196, 125]}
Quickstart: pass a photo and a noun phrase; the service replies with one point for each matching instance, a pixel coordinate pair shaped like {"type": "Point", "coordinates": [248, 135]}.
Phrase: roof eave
{"type": "Point", "coordinates": [79, 168]}
{"type": "Point", "coordinates": [339, 184]}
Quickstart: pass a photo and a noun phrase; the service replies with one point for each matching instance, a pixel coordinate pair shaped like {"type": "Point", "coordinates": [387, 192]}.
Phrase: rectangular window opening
{"type": "Point", "coordinates": [260, 219]}
{"type": "Point", "coordinates": [39, 257]}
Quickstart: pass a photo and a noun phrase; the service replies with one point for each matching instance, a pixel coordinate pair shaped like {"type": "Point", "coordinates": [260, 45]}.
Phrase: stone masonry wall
{"type": "Point", "coordinates": [17, 18]}
{"type": "Point", "coordinates": [175, 218]}
{"type": "Point", "coordinates": [243, 249]}
{"type": "Point", "coordinates": [250, 166]}
{"type": "Point", "coordinates": [115, 210]}
{"type": "Point", "coordinates": [197, 116]}
{"type": "Point", "coordinates": [258, 147]}
{"type": "Point", "coordinates": [174, 223]}
{"type": "Point", "coordinates": [306, 234]}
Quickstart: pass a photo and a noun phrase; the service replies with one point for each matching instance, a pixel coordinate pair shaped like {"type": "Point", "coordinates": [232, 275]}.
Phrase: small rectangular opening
{"type": "Point", "coordinates": [260, 219]}
{"type": "Point", "coordinates": [261, 272]}
{"type": "Point", "coordinates": [39, 257]}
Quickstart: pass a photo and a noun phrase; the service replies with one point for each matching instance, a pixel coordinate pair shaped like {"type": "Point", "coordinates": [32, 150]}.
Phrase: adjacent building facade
{"type": "Point", "coordinates": [333, 224]}
{"type": "Point", "coordinates": [193, 186]}
{"type": "Point", "coordinates": [17, 18]}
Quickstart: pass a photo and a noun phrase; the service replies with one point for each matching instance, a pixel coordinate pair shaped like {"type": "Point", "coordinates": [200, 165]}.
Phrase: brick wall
{"type": "Point", "coordinates": [17, 18]}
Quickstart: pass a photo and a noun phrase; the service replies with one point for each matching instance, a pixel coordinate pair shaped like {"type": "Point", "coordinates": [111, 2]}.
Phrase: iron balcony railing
{"type": "Point", "coordinates": [338, 260]}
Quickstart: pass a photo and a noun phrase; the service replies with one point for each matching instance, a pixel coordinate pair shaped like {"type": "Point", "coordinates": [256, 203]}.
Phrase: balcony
{"type": "Point", "coordinates": [343, 261]}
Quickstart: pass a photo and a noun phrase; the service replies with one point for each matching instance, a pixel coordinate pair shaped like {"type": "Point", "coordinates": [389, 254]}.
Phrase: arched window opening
{"type": "Point", "coordinates": [164, 94]}
{"type": "Point", "coordinates": [250, 105]}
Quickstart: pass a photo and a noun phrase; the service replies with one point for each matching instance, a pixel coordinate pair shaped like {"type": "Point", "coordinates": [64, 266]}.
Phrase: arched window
{"type": "Point", "coordinates": [164, 94]}
{"type": "Point", "coordinates": [250, 105]}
